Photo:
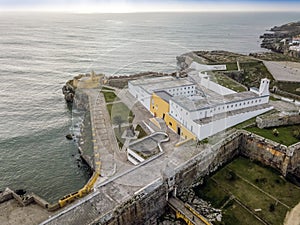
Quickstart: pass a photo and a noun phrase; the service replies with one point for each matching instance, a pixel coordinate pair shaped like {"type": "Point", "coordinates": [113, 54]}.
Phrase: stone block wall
{"type": "Point", "coordinates": [143, 208]}
{"type": "Point", "coordinates": [277, 120]}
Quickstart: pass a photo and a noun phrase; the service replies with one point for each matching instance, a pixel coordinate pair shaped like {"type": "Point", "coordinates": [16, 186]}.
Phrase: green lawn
{"type": "Point", "coordinates": [228, 82]}
{"type": "Point", "coordinates": [285, 136]}
{"type": "Point", "coordinates": [120, 109]}
{"type": "Point", "coordinates": [231, 66]}
{"type": "Point", "coordinates": [266, 179]}
{"type": "Point", "coordinates": [109, 96]}
{"type": "Point", "coordinates": [233, 180]}
{"type": "Point", "coordinates": [290, 87]}
{"type": "Point", "coordinates": [236, 215]}
{"type": "Point", "coordinates": [254, 72]}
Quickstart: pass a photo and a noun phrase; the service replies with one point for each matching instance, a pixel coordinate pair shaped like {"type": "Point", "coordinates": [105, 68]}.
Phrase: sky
{"type": "Point", "coordinates": [128, 6]}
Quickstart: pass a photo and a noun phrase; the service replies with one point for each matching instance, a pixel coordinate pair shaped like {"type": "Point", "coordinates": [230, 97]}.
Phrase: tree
{"type": "Point", "coordinates": [118, 120]}
{"type": "Point", "coordinates": [275, 132]}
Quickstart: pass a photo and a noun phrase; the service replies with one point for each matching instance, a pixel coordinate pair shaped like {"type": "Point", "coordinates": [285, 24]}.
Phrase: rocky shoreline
{"type": "Point", "coordinates": [276, 38]}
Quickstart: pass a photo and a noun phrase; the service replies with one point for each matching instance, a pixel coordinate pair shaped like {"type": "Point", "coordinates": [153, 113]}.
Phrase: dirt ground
{"type": "Point", "coordinates": [293, 217]}
{"type": "Point", "coordinates": [11, 213]}
{"type": "Point", "coordinates": [284, 71]}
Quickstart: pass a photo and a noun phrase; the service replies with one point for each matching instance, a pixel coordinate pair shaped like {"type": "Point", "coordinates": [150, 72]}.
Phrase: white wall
{"type": "Point", "coordinates": [134, 157]}
{"type": "Point", "coordinates": [214, 127]}
{"type": "Point", "coordinates": [179, 113]}
{"type": "Point", "coordinates": [140, 94]}
{"type": "Point", "coordinates": [203, 67]}
{"type": "Point", "coordinates": [188, 90]}
{"type": "Point", "coordinates": [215, 87]}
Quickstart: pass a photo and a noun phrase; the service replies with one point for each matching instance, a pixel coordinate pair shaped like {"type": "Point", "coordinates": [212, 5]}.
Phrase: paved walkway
{"type": "Point", "coordinates": [107, 157]}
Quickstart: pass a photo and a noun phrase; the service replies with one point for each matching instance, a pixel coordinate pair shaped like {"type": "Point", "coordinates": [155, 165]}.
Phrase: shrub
{"type": "Point", "coordinates": [272, 207]}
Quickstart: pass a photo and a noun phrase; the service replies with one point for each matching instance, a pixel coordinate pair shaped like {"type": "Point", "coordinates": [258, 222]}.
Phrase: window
{"type": "Point", "coordinates": [192, 128]}
{"type": "Point", "coordinates": [170, 123]}
{"type": "Point", "coordinates": [185, 88]}
{"type": "Point", "coordinates": [227, 106]}
{"type": "Point", "coordinates": [240, 104]}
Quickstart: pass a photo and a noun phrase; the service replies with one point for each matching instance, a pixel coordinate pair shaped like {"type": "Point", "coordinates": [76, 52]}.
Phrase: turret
{"type": "Point", "coordinates": [264, 87]}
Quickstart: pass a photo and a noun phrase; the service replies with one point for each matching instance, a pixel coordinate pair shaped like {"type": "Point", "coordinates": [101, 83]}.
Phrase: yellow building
{"type": "Point", "coordinates": [159, 107]}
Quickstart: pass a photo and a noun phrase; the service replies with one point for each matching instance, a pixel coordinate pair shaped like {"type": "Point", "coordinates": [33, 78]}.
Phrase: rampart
{"type": "Point", "coordinates": [144, 205]}
{"type": "Point", "coordinates": [278, 119]}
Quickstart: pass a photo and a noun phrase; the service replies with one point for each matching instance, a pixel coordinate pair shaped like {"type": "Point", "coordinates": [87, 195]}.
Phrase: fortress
{"type": "Point", "coordinates": [195, 107]}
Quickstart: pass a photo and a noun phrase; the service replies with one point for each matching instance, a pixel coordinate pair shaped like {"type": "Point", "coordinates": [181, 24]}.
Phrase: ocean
{"type": "Point", "coordinates": [39, 52]}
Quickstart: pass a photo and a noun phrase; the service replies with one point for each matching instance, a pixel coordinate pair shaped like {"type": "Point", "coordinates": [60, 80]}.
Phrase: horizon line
{"type": "Point", "coordinates": [146, 11]}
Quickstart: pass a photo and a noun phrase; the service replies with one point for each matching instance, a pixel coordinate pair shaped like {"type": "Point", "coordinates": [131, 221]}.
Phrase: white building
{"type": "Point", "coordinates": [142, 89]}
{"type": "Point", "coordinates": [203, 115]}
{"type": "Point", "coordinates": [207, 116]}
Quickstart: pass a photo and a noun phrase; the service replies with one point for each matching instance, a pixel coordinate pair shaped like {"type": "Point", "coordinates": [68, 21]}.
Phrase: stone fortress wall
{"type": "Point", "coordinates": [278, 119]}
{"type": "Point", "coordinates": [150, 203]}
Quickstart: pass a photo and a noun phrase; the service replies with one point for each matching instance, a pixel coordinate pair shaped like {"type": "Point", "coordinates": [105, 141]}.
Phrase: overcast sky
{"type": "Point", "coordinates": [125, 6]}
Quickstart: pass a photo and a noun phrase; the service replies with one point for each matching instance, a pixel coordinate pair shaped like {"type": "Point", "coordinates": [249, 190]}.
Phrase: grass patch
{"type": "Point", "coordinates": [120, 109]}
{"type": "Point", "coordinates": [233, 180]}
{"type": "Point", "coordinates": [235, 214]}
{"type": "Point", "coordinates": [212, 193]}
{"type": "Point", "coordinates": [246, 123]}
{"type": "Point", "coordinates": [291, 87]}
{"type": "Point", "coordinates": [285, 136]}
{"type": "Point", "coordinates": [231, 66]}
{"type": "Point", "coordinates": [254, 72]}
{"type": "Point", "coordinates": [141, 130]}
{"type": "Point", "coordinates": [109, 96]}
{"type": "Point", "coordinates": [274, 56]}
{"type": "Point", "coordinates": [267, 179]}
{"type": "Point", "coordinates": [228, 82]}
{"type": "Point", "coordinates": [273, 98]}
